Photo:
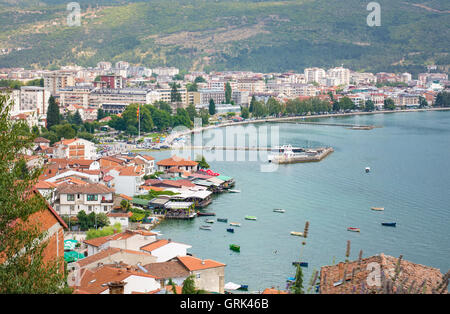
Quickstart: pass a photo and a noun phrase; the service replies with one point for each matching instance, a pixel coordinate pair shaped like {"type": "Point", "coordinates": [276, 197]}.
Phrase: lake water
{"type": "Point", "coordinates": [409, 158]}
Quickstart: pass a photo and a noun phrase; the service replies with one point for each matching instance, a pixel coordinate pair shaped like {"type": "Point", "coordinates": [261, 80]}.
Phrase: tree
{"type": "Point", "coordinates": [228, 93]}
{"type": "Point", "coordinates": [212, 107]}
{"type": "Point", "coordinates": [442, 99]}
{"type": "Point", "coordinates": [175, 96]}
{"type": "Point", "coordinates": [273, 106]}
{"type": "Point", "coordinates": [389, 104]}
{"type": "Point", "coordinates": [252, 103]}
{"type": "Point", "coordinates": [204, 114]}
{"type": "Point", "coordinates": [164, 106]}
{"type": "Point", "coordinates": [53, 116]}
{"type": "Point", "coordinates": [202, 164]}
{"type": "Point", "coordinates": [297, 287]}
{"type": "Point", "coordinates": [259, 109]}
{"type": "Point", "coordinates": [422, 102]}
{"type": "Point", "coordinates": [189, 285]}
{"type": "Point", "coordinates": [369, 105]}
{"type": "Point", "coordinates": [100, 114]}
{"type": "Point", "coordinates": [77, 118]}
{"type": "Point", "coordinates": [245, 113]}
{"type": "Point", "coordinates": [192, 112]}
{"type": "Point", "coordinates": [23, 266]}
{"type": "Point", "coordinates": [191, 87]}
{"type": "Point", "coordinates": [345, 103]}
{"type": "Point", "coordinates": [199, 79]}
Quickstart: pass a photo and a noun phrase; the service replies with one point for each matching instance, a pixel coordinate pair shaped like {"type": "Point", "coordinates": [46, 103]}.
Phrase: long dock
{"type": "Point", "coordinates": [321, 154]}
{"type": "Point", "coordinates": [349, 126]}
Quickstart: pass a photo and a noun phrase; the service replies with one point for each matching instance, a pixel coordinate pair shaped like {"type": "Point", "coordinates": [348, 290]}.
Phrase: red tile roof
{"type": "Point", "coordinates": [193, 263]}
{"type": "Point", "coordinates": [176, 161]}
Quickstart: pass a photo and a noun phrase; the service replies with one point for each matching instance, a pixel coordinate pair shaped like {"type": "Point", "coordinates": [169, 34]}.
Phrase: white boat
{"type": "Point", "coordinates": [236, 224]}
{"type": "Point", "coordinates": [234, 191]}
{"type": "Point", "coordinates": [279, 210]}
{"type": "Point", "coordinates": [377, 208]}
{"type": "Point", "coordinates": [367, 169]}
{"type": "Point", "coordinates": [296, 233]}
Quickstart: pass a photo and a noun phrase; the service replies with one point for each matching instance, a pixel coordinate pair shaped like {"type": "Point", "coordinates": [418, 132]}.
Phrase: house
{"type": "Point", "coordinates": [364, 276]}
{"type": "Point", "coordinates": [172, 269]}
{"type": "Point", "coordinates": [90, 197]}
{"type": "Point", "coordinates": [178, 162]}
{"type": "Point", "coordinates": [208, 275]}
{"type": "Point", "coordinates": [127, 180]}
{"type": "Point", "coordinates": [274, 291]}
{"type": "Point", "coordinates": [47, 190]}
{"type": "Point", "coordinates": [104, 279]}
{"type": "Point", "coordinates": [149, 163]}
{"type": "Point", "coordinates": [76, 148]}
{"type": "Point", "coordinates": [165, 250]}
{"type": "Point", "coordinates": [112, 256]}
{"type": "Point", "coordinates": [49, 222]}
{"type": "Point", "coordinates": [123, 218]}
{"type": "Point", "coordinates": [130, 240]}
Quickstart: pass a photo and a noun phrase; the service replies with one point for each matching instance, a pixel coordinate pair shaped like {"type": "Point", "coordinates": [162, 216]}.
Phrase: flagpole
{"type": "Point", "coordinates": [139, 122]}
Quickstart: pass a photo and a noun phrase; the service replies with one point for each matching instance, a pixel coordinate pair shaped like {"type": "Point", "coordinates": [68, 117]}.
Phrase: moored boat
{"type": "Point", "coordinates": [235, 224]}
{"type": "Point", "coordinates": [205, 214]}
{"type": "Point", "coordinates": [279, 210]}
{"type": "Point", "coordinates": [230, 230]}
{"type": "Point", "coordinates": [235, 247]}
{"type": "Point", "coordinates": [205, 227]}
{"type": "Point", "coordinates": [295, 233]}
{"type": "Point", "coordinates": [250, 218]}
{"type": "Point", "coordinates": [210, 221]}
{"type": "Point", "coordinates": [301, 264]}
{"type": "Point", "coordinates": [353, 229]}
{"type": "Point", "coordinates": [389, 224]}
{"type": "Point", "coordinates": [243, 288]}
{"type": "Point", "coordinates": [234, 191]}
{"type": "Point", "coordinates": [222, 219]}
{"type": "Point", "coordinates": [367, 169]}
{"type": "Point", "coordinates": [377, 208]}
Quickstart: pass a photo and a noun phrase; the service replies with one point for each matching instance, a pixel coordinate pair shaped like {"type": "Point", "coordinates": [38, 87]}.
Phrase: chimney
{"type": "Point", "coordinates": [116, 287]}
{"type": "Point", "coordinates": [203, 262]}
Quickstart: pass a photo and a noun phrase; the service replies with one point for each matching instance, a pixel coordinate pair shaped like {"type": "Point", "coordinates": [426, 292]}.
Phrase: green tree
{"type": "Point", "coordinates": [212, 107]}
{"type": "Point", "coordinates": [35, 130]}
{"type": "Point", "coordinates": [204, 114]}
{"type": "Point", "coordinates": [23, 269]}
{"type": "Point", "coordinates": [273, 106]}
{"type": "Point", "coordinates": [345, 103]}
{"type": "Point", "coordinates": [252, 104]}
{"type": "Point", "coordinates": [369, 105]}
{"type": "Point", "coordinates": [442, 99]}
{"type": "Point", "coordinates": [202, 164]}
{"type": "Point", "coordinates": [189, 285]}
{"type": "Point", "coordinates": [297, 287]}
{"type": "Point", "coordinates": [77, 118]}
{"type": "Point", "coordinates": [53, 115]}
{"type": "Point", "coordinates": [245, 113]}
{"type": "Point", "coordinates": [228, 93]}
{"type": "Point", "coordinates": [100, 114]}
{"type": "Point", "coordinates": [389, 104]}
{"type": "Point", "coordinates": [422, 102]}
{"type": "Point", "coordinates": [259, 109]}
{"type": "Point", "coordinates": [192, 112]}
{"type": "Point", "coordinates": [175, 96]}
{"type": "Point", "coordinates": [199, 79]}
{"type": "Point", "coordinates": [192, 87]}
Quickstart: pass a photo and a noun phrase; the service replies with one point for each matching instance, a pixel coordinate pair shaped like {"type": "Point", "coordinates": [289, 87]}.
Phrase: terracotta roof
{"type": "Point", "coordinates": [170, 269]}
{"type": "Point", "coordinates": [193, 263]}
{"type": "Point", "coordinates": [154, 245]}
{"type": "Point", "coordinates": [41, 185]}
{"type": "Point", "coordinates": [41, 140]}
{"type": "Point", "coordinates": [357, 273]}
{"type": "Point", "coordinates": [130, 171]}
{"type": "Point", "coordinates": [129, 214]}
{"type": "Point", "coordinates": [153, 188]}
{"type": "Point", "coordinates": [129, 198]}
{"type": "Point", "coordinates": [89, 188]}
{"type": "Point", "coordinates": [176, 161]}
{"type": "Point", "coordinates": [105, 253]}
{"type": "Point", "coordinates": [178, 289]}
{"type": "Point", "coordinates": [107, 178]}
{"type": "Point", "coordinates": [118, 236]}
{"type": "Point", "coordinates": [147, 157]}
{"type": "Point", "coordinates": [94, 281]}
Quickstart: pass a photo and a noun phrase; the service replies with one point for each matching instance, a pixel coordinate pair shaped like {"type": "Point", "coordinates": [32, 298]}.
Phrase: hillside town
{"type": "Point", "coordinates": [91, 185]}
{"type": "Point", "coordinates": [112, 87]}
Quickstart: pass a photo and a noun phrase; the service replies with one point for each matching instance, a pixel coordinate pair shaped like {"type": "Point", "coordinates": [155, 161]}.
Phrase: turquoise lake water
{"type": "Point", "coordinates": [410, 161]}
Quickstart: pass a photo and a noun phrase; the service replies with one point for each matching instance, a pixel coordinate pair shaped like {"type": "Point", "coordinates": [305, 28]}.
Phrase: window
{"type": "Point", "coordinates": [90, 208]}
{"type": "Point", "coordinates": [92, 197]}
{"type": "Point", "coordinates": [70, 197]}
{"type": "Point", "coordinates": [105, 208]}
{"type": "Point", "coordinates": [197, 276]}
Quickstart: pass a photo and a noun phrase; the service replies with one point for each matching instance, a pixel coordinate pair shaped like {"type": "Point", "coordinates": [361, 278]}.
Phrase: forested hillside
{"type": "Point", "coordinates": [216, 35]}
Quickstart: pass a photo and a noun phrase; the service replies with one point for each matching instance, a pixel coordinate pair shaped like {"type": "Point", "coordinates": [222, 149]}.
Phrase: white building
{"type": "Point", "coordinates": [90, 197]}
{"type": "Point", "coordinates": [340, 74]}
{"type": "Point", "coordinates": [314, 75]}
{"type": "Point", "coordinates": [165, 250]}
{"type": "Point", "coordinates": [76, 148]}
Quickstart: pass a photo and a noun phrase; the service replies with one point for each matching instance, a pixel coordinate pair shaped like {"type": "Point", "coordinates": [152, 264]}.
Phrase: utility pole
{"type": "Point", "coordinates": [139, 122]}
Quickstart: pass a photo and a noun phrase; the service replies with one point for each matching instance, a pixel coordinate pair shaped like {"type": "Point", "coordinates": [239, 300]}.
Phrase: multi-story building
{"type": "Point", "coordinates": [124, 96]}
{"type": "Point", "coordinates": [75, 95]}
{"type": "Point", "coordinates": [34, 98]}
{"type": "Point", "coordinates": [54, 81]}
{"type": "Point", "coordinates": [340, 74]}
{"type": "Point", "coordinates": [76, 148]}
{"type": "Point", "coordinates": [166, 71]}
{"type": "Point", "coordinates": [204, 95]}
{"type": "Point", "coordinates": [110, 81]}
{"type": "Point", "coordinates": [89, 197]}
{"type": "Point", "coordinates": [314, 75]}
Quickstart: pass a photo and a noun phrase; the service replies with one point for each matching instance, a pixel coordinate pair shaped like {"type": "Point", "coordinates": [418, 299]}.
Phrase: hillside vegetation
{"type": "Point", "coordinates": [216, 35]}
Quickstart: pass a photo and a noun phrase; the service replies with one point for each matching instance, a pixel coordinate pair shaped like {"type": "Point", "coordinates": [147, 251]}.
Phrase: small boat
{"type": "Point", "coordinates": [235, 247]}
{"type": "Point", "coordinates": [377, 208]}
{"type": "Point", "coordinates": [230, 230]}
{"type": "Point", "coordinates": [389, 224]}
{"type": "Point", "coordinates": [301, 264]}
{"type": "Point", "coordinates": [279, 210]}
{"type": "Point", "coordinates": [222, 219]}
{"type": "Point", "coordinates": [367, 169]}
{"type": "Point", "coordinates": [235, 224]}
{"type": "Point", "coordinates": [296, 233]}
{"type": "Point", "coordinates": [353, 229]}
{"type": "Point", "coordinates": [209, 221]}
{"type": "Point", "coordinates": [290, 279]}
{"type": "Point", "coordinates": [205, 227]}
{"type": "Point", "coordinates": [250, 218]}
{"type": "Point", "coordinates": [243, 287]}
{"type": "Point", "coordinates": [234, 191]}
{"type": "Point", "coordinates": [205, 214]}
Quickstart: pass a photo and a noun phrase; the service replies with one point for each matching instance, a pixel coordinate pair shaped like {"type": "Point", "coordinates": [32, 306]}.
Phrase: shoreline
{"type": "Point", "coordinates": [172, 136]}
